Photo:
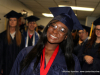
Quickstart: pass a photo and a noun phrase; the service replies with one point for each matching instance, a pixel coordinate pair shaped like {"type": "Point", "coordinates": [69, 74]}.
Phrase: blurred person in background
{"type": "Point", "coordinates": [31, 36]}
{"type": "Point", "coordinates": [89, 54]}
{"type": "Point", "coordinates": [12, 42]}
{"type": "Point", "coordinates": [83, 37]}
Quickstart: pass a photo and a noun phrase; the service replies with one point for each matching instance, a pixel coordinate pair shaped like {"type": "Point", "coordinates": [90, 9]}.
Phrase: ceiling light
{"type": "Point", "coordinates": [78, 8]}
{"type": "Point", "coordinates": [47, 15]}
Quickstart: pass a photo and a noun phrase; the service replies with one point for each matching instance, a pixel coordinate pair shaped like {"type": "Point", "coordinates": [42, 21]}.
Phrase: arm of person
{"type": "Point", "coordinates": [81, 53]}
{"type": "Point", "coordinates": [96, 63]}
{"type": "Point", "coordinates": [88, 59]}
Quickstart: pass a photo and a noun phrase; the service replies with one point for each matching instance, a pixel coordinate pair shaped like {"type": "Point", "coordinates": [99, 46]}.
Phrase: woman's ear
{"type": "Point", "coordinates": [65, 37]}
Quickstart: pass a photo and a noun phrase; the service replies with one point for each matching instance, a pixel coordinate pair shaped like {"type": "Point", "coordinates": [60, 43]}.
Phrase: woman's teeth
{"type": "Point", "coordinates": [53, 36]}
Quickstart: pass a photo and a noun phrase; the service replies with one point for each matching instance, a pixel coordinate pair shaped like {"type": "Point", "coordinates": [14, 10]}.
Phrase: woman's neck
{"type": "Point", "coordinates": [49, 48]}
{"type": "Point", "coordinates": [98, 40]}
{"type": "Point", "coordinates": [12, 30]}
{"type": "Point", "coordinates": [31, 32]}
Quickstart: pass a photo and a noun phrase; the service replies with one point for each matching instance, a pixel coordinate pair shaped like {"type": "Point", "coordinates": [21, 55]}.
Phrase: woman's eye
{"type": "Point", "coordinates": [62, 30]}
{"type": "Point", "coordinates": [55, 27]}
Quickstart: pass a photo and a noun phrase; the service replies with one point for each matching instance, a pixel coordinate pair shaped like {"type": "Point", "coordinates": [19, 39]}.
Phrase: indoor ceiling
{"type": "Point", "coordinates": [41, 6]}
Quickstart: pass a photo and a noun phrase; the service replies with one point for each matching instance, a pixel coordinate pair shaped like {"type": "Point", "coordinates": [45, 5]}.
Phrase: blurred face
{"type": "Point", "coordinates": [83, 34]}
{"type": "Point", "coordinates": [13, 22]}
{"type": "Point", "coordinates": [73, 34]}
{"type": "Point", "coordinates": [57, 32]}
{"type": "Point", "coordinates": [97, 31]}
{"type": "Point", "coordinates": [32, 25]}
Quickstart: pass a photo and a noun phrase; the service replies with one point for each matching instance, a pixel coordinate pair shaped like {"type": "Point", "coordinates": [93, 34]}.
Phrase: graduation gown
{"type": "Point", "coordinates": [31, 40]}
{"type": "Point", "coordinates": [78, 47]}
{"type": "Point", "coordinates": [95, 66]}
{"type": "Point", "coordinates": [9, 52]}
{"type": "Point", "coordinates": [1, 53]}
{"type": "Point", "coordinates": [57, 67]}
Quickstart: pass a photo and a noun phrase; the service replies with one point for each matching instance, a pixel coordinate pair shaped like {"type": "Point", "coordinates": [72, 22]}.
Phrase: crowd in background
{"type": "Point", "coordinates": [19, 38]}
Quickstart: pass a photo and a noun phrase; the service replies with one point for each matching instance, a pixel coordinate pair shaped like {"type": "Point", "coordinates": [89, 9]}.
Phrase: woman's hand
{"type": "Point", "coordinates": [88, 59]}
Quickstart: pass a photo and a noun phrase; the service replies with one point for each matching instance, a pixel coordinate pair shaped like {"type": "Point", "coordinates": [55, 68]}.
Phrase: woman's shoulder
{"type": "Point", "coordinates": [36, 34]}
{"type": "Point", "coordinates": [25, 51]}
{"type": "Point", "coordinates": [3, 33]}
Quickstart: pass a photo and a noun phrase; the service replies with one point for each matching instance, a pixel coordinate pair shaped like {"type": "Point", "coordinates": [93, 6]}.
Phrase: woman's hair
{"type": "Point", "coordinates": [91, 42]}
{"type": "Point", "coordinates": [17, 35]}
{"type": "Point", "coordinates": [36, 52]}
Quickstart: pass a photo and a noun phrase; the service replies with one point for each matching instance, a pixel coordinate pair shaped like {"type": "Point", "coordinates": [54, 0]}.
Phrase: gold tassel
{"type": "Point", "coordinates": [91, 29]}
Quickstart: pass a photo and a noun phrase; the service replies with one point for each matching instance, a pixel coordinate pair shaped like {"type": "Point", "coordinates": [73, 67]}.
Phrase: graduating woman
{"type": "Point", "coordinates": [89, 55]}
{"type": "Point", "coordinates": [52, 55]}
{"type": "Point", "coordinates": [12, 43]}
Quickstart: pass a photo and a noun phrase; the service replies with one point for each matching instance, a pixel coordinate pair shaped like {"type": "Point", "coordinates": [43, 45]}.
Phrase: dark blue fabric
{"type": "Point", "coordinates": [64, 14]}
{"type": "Point", "coordinates": [36, 37]}
{"type": "Point", "coordinates": [9, 52]}
{"type": "Point", "coordinates": [32, 18]}
{"type": "Point", "coordinates": [97, 21]}
{"type": "Point", "coordinates": [11, 14]}
{"type": "Point", "coordinates": [56, 68]}
{"type": "Point", "coordinates": [86, 28]}
{"type": "Point", "coordinates": [65, 19]}
{"type": "Point", "coordinates": [95, 66]}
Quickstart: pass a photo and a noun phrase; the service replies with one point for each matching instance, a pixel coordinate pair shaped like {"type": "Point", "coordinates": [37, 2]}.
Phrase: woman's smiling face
{"type": "Point", "coordinates": [57, 32]}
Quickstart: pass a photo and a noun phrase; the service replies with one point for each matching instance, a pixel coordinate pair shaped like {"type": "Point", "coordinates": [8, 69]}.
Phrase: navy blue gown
{"type": "Point", "coordinates": [95, 66]}
{"type": "Point", "coordinates": [57, 68]}
{"type": "Point", "coordinates": [9, 52]}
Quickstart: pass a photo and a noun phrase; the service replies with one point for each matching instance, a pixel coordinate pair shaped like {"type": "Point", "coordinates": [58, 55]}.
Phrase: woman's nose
{"type": "Point", "coordinates": [56, 30]}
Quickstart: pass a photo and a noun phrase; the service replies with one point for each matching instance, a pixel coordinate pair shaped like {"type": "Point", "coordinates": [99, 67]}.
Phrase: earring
{"type": "Point", "coordinates": [65, 38]}
{"type": "Point", "coordinates": [48, 26]}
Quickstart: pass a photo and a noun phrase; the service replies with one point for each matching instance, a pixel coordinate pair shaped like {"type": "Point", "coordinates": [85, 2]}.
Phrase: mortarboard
{"type": "Point", "coordinates": [41, 27]}
{"type": "Point", "coordinates": [11, 14]}
{"type": "Point", "coordinates": [66, 16]}
{"type": "Point", "coordinates": [32, 18]}
{"type": "Point", "coordinates": [86, 28]}
{"type": "Point", "coordinates": [97, 21]}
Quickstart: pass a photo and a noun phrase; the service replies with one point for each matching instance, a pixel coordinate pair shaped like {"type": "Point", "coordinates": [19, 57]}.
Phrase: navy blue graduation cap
{"type": "Point", "coordinates": [86, 28]}
{"type": "Point", "coordinates": [97, 21]}
{"type": "Point", "coordinates": [41, 27]}
{"type": "Point", "coordinates": [11, 14]}
{"type": "Point", "coordinates": [32, 18]}
{"type": "Point", "coordinates": [66, 16]}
